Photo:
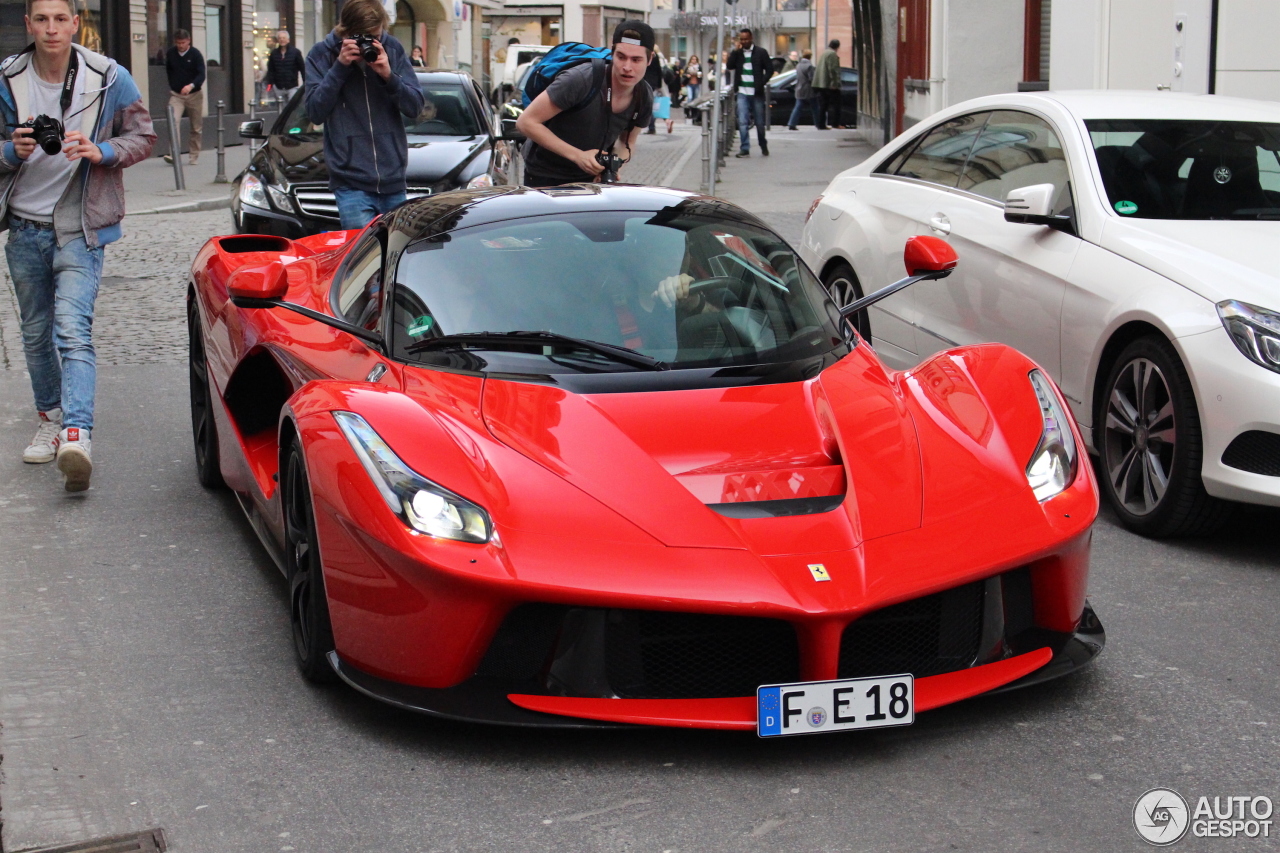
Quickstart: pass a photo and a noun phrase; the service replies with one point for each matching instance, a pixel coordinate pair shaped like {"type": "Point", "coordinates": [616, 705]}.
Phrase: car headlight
{"type": "Point", "coordinates": [1053, 466]}
{"type": "Point", "coordinates": [279, 198]}
{"type": "Point", "coordinates": [480, 181]}
{"type": "Point", "coordinates": [423, 505]}
{"type": "Point", "coordinates": [252, 193]}
{"type": "Point", "coordinates": [1256, 332]}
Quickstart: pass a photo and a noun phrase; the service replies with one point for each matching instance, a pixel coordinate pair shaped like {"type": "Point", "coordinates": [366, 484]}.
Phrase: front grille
{"type": "Point", "coordinates": [320, 203]}
{"type": "Point", "coordinates": [1254, 451]}
{"type": "Point", "coordinates": [658, 655]}
{"type": "Point", "coordinates": [926, 636]}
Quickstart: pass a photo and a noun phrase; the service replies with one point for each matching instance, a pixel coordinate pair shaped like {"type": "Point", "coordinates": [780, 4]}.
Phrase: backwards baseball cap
{"type": "Point", "coordinates": [634, 32]}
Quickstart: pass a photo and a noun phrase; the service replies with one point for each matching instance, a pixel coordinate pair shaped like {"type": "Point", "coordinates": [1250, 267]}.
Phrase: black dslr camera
{"type": "Point", "coordinates": [612, 163]}
{"type": "Point", "coordinates": [47, 132]}
{"type": "Point", "coordinates": [368, 50]}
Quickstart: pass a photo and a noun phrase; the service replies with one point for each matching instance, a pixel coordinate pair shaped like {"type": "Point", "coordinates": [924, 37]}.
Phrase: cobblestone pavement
{"type": "Point", "coordinates": [141, 314]}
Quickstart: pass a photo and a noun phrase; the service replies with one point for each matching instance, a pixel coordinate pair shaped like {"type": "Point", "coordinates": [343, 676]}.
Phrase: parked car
{"type": "Point", "coordinates": [1126, 242]}
{"type": "Point", "coordinates": [782, 97]}
{"type": "Point", "coordinates": [456, 142]}
{"type": "Point", "coordinates": [512, 474]}
{"type": "Point", "coordinates": [506, 76]}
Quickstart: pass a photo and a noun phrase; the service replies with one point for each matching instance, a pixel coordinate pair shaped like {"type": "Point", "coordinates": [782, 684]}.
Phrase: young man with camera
{"type": "Point", "coordinates": [73, 120]}
{"type": "Point", "coordinates": [361, 86]}
{"type": "Point", "coordinates": [572, 129]}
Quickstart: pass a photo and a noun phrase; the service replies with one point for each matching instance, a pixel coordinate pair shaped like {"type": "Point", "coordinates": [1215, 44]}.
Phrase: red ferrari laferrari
{"type": "Point", "coordinates": [606, 455]}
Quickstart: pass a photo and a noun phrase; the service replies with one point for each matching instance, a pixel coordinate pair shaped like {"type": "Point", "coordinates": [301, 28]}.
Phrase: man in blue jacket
{"type": "Point", "coordinates": [361, 105]}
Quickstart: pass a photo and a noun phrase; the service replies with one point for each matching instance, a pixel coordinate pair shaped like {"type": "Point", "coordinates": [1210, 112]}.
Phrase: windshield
{"type": "Point", "coordinates": [445, 112]}
{"type": "Point", "coordinates": [1172, 169]}
{"type": "Point", "coordinates": [683, 289]}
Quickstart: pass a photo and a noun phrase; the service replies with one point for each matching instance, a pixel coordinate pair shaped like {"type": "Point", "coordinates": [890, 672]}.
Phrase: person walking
{"type": "Point", "coordinates": [61, 209]}
{"type": "Point", "coordinates": [826, 83]}
{"type": "Point", "coordinates": [671, 79]}
{"type": "Point", "coordinates": [653, 76]}
{"type": "Point", "coordinates": [804, 92]}
{"type": "Point", "coordinates": [185, 68]}
{"type": "Point", "coordinates": [752, 68]}
{"type": "Point", "coordinates": [285, 68]}
{"type": "Point", "coordinates": [362, 106]}
{"type": "Point", "coordinates": [793, 59]}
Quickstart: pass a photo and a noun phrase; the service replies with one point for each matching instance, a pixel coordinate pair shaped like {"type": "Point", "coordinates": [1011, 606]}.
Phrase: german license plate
{"type": "Point", "coordinates": [814, 707]}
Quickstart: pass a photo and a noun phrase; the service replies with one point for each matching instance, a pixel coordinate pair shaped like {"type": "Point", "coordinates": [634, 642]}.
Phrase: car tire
{"type": "Point", "coordinates": [843, 285]}
{"type": "Point", "coordinates": [204, 429]}
{"type": "Point", "coordinates": [308, 603]}
{"type": "Point", "coordinates": [1150, 445]}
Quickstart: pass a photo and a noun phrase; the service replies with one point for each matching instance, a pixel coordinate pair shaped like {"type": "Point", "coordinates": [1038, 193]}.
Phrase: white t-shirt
{"type": "Point", "coordinates": [43, 178]}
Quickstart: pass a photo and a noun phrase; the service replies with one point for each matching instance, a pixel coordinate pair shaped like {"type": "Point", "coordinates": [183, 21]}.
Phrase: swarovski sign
{"type": "Point", "coordinates": [699, 21]}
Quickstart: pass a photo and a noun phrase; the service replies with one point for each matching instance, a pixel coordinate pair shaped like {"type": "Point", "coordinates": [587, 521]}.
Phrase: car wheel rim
{"type": "Point", "coordinates": [298, 552]}
{"type": "Point", "coordinates": [1140, 436]}
{"type": "Point", "coordinates": [842, 291]}
{"type": "Point", "coordinates": [200, 413]}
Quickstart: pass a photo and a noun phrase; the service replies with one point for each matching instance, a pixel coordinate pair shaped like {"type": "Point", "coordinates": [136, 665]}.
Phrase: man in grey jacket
{"type": "Point", "coordinates": [804, 92]}
{"type": "Point", "coordinates": [61, 206]}
{"type": "Point", "coordinates": [362, 105]}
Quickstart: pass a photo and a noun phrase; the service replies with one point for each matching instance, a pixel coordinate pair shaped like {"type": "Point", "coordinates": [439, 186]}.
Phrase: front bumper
{"type": "Point", "coordinates": [1234, 396]}
{"type": "Point", "coordinates": [1032, 658]}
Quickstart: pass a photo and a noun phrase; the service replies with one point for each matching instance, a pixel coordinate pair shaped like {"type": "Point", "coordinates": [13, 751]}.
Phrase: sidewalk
{"type": "Point", "coordinates": [149, 185]}
{"type": "Point", "coordinates": [779, 188]}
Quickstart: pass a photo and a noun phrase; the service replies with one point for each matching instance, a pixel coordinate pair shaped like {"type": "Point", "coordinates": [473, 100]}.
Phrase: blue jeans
{"type": "Point", "coordinates": [356, 208]}
{"type": "Point", "coordinates": [750, 106]}
{"type": "Point", "coordinates": [56, 289]}
{"type": "Point", "coordinates": [801, 103]}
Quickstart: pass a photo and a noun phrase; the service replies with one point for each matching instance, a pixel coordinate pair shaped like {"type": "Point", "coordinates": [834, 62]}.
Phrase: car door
{"type": "Point", "coordinates": [1010, 282]}
{"type": "Point", "coordinates": [898, 194]}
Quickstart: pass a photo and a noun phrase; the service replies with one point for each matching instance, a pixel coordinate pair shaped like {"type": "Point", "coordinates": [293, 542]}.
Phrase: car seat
{"type": "Point", "coordinates": [1219, 186]}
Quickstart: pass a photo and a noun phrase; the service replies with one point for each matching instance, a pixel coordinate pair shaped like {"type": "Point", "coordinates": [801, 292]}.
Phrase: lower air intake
{"type": "Point", "coordinates": [926, 636]}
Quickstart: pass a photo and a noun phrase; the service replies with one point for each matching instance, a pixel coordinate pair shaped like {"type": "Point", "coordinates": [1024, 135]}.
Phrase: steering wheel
{"type": "Point", "coordinates": [715, 281]}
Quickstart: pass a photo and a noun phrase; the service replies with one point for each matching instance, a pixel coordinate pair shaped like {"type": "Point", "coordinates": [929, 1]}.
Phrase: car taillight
{"type": "Point", "coordinates": [817, 201]}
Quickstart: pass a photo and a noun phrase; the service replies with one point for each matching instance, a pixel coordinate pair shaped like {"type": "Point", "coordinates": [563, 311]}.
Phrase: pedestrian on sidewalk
{"type": "Point", "coordinates": [804, 93]}
{"type": "Point", "coordinates": [185, 67]}
{"type": "Point", "coordinates": [693, 77]}
{"type": "Point", "coordinates": [653, 76]}
{"type": "Point", "coordinates": [826, 83]}
{"type": "Point", "coordinates": [362, 106]}
{"type": "Point", "coordinates": [671, 79]}
{"type": "Point", "coordinates": [793, 59]}
{"type": "Point", "coordinates": [61, 209]}
{"type": "Point", "coordinates": [575, 122]}
{"type": "Point", "coordinates": [752, 68]}
{"type": "Point", "coordinates": [285, 68]}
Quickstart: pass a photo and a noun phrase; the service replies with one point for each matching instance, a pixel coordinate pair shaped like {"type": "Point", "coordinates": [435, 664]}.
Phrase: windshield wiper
{"type": "Point", "coordinates": [504, 340]}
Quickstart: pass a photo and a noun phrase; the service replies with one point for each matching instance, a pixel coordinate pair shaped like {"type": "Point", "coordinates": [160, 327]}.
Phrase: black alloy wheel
{"type": "Point", "coordinates": [1151, 448]}
{"type": "Point", "coordinates": [842, 283]}
{"type": "Point", "coordinates": [204, 430]}
{"type": "Point", "coordinates": [308, 604]}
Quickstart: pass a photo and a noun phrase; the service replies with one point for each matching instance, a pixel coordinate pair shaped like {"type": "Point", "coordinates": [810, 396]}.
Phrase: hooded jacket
{"type": "Point", "coordinates": [93, 202]}
{"type": "Point", "coordinates": [365, 145]}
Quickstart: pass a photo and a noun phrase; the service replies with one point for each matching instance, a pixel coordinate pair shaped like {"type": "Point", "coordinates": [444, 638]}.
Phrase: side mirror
{"type": "Point", "coordinates": [926, 258]}
{"type": "Point", "coordinates": [509, 131]}
{"type": "Point", "coordinates": [252, 129]}
{"type": "Point", "coordinates": [1033, 205]}
{"type": "Point", "coordinates": [269, 282]}
{"type": "Point", "coordinates": [924, 255]}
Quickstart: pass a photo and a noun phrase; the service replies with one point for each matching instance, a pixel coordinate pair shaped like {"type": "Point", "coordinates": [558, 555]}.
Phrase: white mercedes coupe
{"type": "Point", "coordinates": [1127, 241]}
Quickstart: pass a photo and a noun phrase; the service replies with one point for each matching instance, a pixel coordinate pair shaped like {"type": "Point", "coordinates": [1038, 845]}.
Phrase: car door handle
{"type": "Point", "coordinates": [939, 222]}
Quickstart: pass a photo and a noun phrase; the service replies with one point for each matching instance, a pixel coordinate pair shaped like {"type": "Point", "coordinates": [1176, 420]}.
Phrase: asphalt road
{"type": "Point", "coordinates": [146, 680]}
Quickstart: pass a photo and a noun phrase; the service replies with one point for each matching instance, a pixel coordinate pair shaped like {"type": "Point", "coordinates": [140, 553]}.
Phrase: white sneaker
{"type": "Point", "coordinates": [45, 445]}
{"type": "Point", "coordinates": [73, 458]}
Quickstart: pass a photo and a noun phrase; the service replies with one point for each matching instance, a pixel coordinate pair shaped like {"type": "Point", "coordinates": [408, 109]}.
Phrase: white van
{"type": "Point", "coordinates": [504, 75]}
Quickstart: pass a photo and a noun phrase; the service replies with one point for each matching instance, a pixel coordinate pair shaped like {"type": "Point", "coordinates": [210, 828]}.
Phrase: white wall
{"type": "Point", "coordinates": [1249, 49]}
{"type": "Point", "coordinates": [975, 49]}
{"type": "Point", "coordinates": [1077, 44]}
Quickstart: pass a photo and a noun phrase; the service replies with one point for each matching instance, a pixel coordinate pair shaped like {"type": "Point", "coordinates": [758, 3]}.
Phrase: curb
{"type": "Point", "coordinates": [185, 207]}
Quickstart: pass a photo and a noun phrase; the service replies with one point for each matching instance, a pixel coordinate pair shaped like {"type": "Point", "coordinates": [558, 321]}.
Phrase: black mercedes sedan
{"type": "Point", "coordinates": [456, 142]}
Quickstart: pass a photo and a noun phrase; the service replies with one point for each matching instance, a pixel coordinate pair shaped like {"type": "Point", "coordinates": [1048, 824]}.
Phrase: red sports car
{"type": "Point", "coordinates": [604, 455]}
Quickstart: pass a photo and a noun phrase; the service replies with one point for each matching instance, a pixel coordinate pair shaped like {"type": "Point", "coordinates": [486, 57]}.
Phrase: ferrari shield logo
{"type": "Point", "coordinates": [819, 572]}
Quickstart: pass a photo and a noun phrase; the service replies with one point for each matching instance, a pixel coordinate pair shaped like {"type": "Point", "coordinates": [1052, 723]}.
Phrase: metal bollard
{"type": "Point", "coordinates": [221, 177]}
{"type": "Point", "coordinates": [708, 185]}
{"type": "Point", "coordinates": [175, 150]}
